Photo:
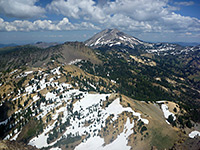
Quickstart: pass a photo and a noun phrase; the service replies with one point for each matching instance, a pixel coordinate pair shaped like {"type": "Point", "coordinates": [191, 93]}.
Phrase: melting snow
{"type": "Point", "coordinates": [15, 137]}
{"type": "Point", "coordinates": [74, 61]}
{"type": "Point", "coordinates": [13, 71]}
{"type": "Point", "coordinates": [56, 148]}
{"type": "Point", "coordinates": [94, 143]}
{"type": "Point", "coordinates": [166, 111]}
{"type": "Point", "coordinates": [160, 102]}
{"type": "Point", "coordinates": [5, 121]}
{"type": "Point", "coordinates": [89, 108]}
{"type": "Point", "coordinates": [118, 144]}
{"type": "Point", "coordinates": [41, 140]}
{"type": "Point", "coordinates": [113, 81]}
{"type": "Point", "coordinates": [56, 71]}
{"type": "Point", "coordinates": [194, 133]}
{"type": "Point", "coordinates": [24, 74]}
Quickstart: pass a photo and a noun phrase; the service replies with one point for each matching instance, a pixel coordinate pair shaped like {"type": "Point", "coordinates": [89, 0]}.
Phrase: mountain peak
{"type": "Point", "coordinates": [110, 37]}
{"type": "Point", "coordinates": [111, 31]}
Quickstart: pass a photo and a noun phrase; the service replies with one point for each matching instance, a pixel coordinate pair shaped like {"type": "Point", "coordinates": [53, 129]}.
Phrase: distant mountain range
{"type": "Point", "coordinates": [7, 45]}
{"type": "Point", "coordinates": [37, 44]}
{"type": "Point", "coordinates": [187, 43]}
{"type": "Point", "coordinates": [45, 44]}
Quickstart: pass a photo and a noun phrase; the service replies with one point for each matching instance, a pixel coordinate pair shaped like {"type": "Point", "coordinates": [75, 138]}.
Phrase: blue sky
{"type": "Point", "coordinates": [29, 21]}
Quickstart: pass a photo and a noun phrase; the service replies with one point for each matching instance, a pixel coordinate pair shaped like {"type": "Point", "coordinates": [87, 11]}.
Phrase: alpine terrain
{"type": "Point", "coordinates": [111, 92]}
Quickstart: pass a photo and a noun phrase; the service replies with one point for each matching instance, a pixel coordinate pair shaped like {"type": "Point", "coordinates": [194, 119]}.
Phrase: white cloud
{"type": "Point", "coordinates": [188, 33]}
{"type": "Point", "coordinates": [127, 15]}
{"type": "Point", "coordinates": [137, 15]}
{"type": "Point", "coordinates": [140, 10]}
{"type": "Point", "coordinates": [149, 16]}
{"type": "Point", "coordinates": [76, 8]}
{"type": "Point", "coordinates": [21, 8]}
{"type": "Point", "coordinates": [44, 25]}
{"type": "Point", "coordinates": [185, 3]}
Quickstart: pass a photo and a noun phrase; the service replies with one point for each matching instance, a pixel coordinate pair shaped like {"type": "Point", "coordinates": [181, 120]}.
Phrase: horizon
{"type": "Point", "coordinates": [70, 39]}
{"type": "Point", "coordinates": [83, 40]}
{"type": "Point", "coordinates": [30, 21]}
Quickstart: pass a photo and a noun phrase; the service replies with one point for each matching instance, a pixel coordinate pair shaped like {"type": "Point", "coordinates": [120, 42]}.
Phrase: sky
{"type": "Point", "coordinates": [30, 21]}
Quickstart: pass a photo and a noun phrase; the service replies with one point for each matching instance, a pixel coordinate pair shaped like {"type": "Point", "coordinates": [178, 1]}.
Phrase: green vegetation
{"type": "Point", "coordinates": [138, 81]}
{"type": "Point", "coordinates": [143, 129]}
{"type": "Point", "coordinates": [68, 140]}
{"type": "Point", "coordinates": [170, 79]}
{"type": "Point", "coordinates": [31, 129]}
{"type": "Point", "coordinates": [170, 119]}
{"type": "Point", "coordinates": [160, 140]}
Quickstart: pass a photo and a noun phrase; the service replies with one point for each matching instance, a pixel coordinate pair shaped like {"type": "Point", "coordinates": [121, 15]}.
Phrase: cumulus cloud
{"type": "Point", "coordinates": [140, 10]}
{"type": "Point", "coordinates": [142, 15]}
{"type": "Point", "coordinates": [21, 8]}
{"type": "Point", "coordinates": [129, 15]}
{"type": "Point", "coordinates": [76, 8]}
{"type": "Point", "coordinates": [44, 25]}
{"type": "Point", "coordinates": [188, 33]}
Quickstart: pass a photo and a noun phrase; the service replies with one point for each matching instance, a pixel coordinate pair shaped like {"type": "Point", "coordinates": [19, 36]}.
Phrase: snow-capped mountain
{"type": "Point", "coordinates": [113, 37]}
{"type": "Point", "coordinates": [171, 49]}
{"type": "Point", "coordinates": [110, 37]}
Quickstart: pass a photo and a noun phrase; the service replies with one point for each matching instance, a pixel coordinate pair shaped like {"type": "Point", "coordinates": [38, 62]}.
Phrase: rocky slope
{"type": "Point", "coordinates": [64, 107]}
{"type": "Point", "coordinates": [27, 55]}
{"type": "Point", "coordinates": [74, 97]}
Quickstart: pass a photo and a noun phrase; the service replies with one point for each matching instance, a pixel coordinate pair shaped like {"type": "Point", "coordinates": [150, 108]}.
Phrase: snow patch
{"type": "Point", "coordinates": [74, 61]}
{"type": "Point", "coordinates": [14, 71]}
{"type": "Point", "coordinates": [56, 148]}
{"type": "Point", "coordinates": [24, 74]}
{"type": "Point", "coordinates": [194, 133]}
{"type": "Point", "coordinates": [166, 111]}
{"type": "Point", "coordinates": [88, 109]}
{"type": "Point", "coordinates": [113, 81]}
{"type": "Point", "coordinates": [41, 140]}
{"type": "Point", "coordinates": [56, 71]}
{"type": "Point", "coordinates": [15, 137]}
{"type": "Point", "coordinates": [5, 121]}
{"type": "Point", "coordinates": [120, 143]}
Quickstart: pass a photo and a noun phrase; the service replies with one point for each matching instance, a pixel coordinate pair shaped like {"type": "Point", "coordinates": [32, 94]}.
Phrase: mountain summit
{"type": "Point", "coordinates": [110, 37]}
{"type": "Point", "coordinates": [115, 39]}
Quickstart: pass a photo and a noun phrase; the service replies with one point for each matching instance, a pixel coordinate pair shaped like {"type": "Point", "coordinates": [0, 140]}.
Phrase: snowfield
{"type": "Point", "coordinates": [194, 134]}
{"type": "Point", "coordinates": [74, 61]}
{"type": "Point", "coordinates": [89, 109]}
{"type": "Point", "coordinates": [41, 140]}
{"type": "Point", "coordinates": [166, 112]}
{"type": "Point", "coordinates": [74, 109]}
{"type": "Point", "coordinates": [118, 144]}
{"type": "Point", "coordinates": [56, 71]}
